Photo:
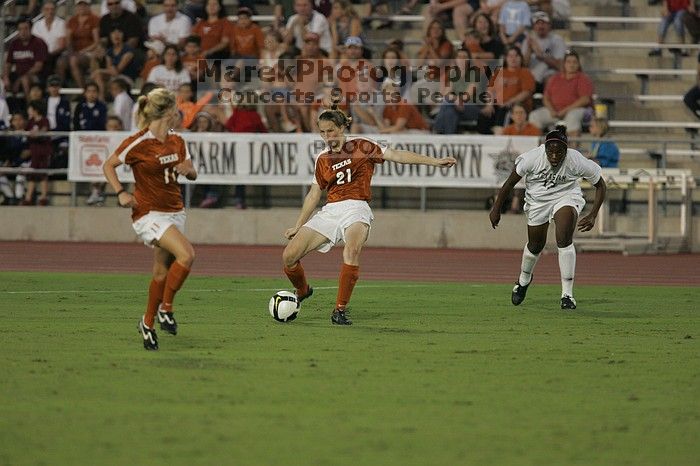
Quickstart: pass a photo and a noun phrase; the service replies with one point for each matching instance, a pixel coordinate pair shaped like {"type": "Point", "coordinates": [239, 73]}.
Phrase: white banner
{"type": "Point", "coordinates": [288, 159]}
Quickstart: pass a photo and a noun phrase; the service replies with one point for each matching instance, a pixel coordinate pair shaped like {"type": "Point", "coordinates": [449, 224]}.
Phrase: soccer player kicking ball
{"type": "Point", "coordinates": [345, 171]}
{"type": "Point", "coordinates": [552, 191]}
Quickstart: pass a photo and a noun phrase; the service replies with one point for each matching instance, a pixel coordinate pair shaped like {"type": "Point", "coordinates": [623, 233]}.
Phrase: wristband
{"type": "Point", "coordinates": [121, 191]}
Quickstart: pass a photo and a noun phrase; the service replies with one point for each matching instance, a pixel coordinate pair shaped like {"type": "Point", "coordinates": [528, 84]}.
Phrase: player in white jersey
{"type": "Point", "coordinates": [552, 192]}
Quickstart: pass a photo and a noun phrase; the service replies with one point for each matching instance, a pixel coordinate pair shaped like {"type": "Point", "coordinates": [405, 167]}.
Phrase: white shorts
{"type": "Point", "coordinates": [541, 213]}
{"type": "Point", "coordinates": [336, 217]}
{"type": "Point", "coordinates": [153, 225]}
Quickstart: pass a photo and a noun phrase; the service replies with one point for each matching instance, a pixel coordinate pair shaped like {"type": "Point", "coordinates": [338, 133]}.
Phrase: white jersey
{"type": "Point", "coordinates": [546, 184]}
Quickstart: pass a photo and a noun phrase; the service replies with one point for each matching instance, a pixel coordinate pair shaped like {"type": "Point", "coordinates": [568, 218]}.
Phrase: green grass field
{"type": "Point", "coordinates": [430, 374]}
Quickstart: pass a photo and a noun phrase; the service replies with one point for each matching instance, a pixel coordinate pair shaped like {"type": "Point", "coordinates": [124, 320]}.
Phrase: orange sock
{"type": "Point", "coordinates": [176, 277]}
{"type": "Point", "coordinates": [297, 276]}
{"type": "Point", "coordinates": [155, 295]}
{"type": "Point", "coordinates": [348, 277]}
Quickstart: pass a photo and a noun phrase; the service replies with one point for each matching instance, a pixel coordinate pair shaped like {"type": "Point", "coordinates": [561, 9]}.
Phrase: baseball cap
{"type": "Point", "coordinates": [244, 10]}
{"type": "Point", "coordinates": [540, 16]}
{"type": "Point", "coordinates": [353, 41]}
{"type": "Point", "coordinates": [557, 135]}
{"type": "Point", "coordinates": [53, 80]}
{"type": "Point", "coordinates": [155, 45]}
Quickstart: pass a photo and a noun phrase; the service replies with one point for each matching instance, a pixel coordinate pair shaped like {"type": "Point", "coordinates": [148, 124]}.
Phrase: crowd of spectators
{"type": "Point", "coordinates": [110, 49]}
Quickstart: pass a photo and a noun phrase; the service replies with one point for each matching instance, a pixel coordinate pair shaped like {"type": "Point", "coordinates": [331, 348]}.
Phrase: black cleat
{"type": "Point", "coordinates": [150, 339]}
{"type": "Point", "coordinates": [307, 295]}
{"type": "Point", "coordinates": [568, 302]}
{"type": "Point", "coordinates": [339, 318]}
{"type": "Point", "coordinates": [519, 292]}
{"type": "Point", "coordinates": [167, 322]}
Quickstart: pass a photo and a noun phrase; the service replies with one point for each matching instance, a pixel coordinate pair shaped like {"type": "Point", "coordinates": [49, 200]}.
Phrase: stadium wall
{"type": "Point", "coordinates": [392, 228]}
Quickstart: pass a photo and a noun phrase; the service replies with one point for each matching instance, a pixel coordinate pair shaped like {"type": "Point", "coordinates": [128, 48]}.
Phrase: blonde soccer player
{"type": "Point", "coordinates": [157, 156]}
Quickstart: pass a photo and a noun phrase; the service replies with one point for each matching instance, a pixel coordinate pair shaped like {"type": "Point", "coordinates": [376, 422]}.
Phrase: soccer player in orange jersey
{"type": "Point", "coordinates": [157, 157]}
{"type": "Point", "coordinates": [345, 171]}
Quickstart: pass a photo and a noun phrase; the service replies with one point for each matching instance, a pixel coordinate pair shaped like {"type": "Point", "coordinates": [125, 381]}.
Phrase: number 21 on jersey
{"type": "Point", "coordinates": [343, 177]}
{"type": "Point", "coordinates": [170, 174]}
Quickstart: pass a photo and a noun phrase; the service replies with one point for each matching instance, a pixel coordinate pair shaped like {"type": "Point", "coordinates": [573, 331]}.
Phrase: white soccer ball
{"type": "Point", "coordinates": [284, 306]}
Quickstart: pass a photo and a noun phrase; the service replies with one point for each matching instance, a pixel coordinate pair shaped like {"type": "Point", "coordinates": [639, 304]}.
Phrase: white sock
{"type": "Point", "coordinates": [20, 181]}
{"type": "Point", "coordinates": [567, 268]}
{"type": "Point", "coordinates": [526, 266]}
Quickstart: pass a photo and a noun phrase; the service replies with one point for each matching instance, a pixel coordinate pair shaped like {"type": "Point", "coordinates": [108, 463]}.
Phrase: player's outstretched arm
{"type": "Point", "coordinates": [124, 199]}
{"type": "Point", "coordinates": [586, 223]}
{"type": "Point", "coordinates": [406, 156]}
{"type": "Point", "coordinates": [310, 202]}
{"type": "Point", "coordinates": [495, 214]}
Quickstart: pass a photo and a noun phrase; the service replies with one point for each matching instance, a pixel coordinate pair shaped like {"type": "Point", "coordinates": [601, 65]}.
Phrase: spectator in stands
{"type": "Point", "coordinates": [114, 123]}
{"type": "Point", "coordinates": [273, 49]}
{"type": "Point", "coordinates": [461, 10]}
{"type": "Point", "coordinates": [125, 21]}
{"type": "Point", "coordinates": [692, 97]}
{"type": "Point", "coordinates": [398, 68]}
{"type": "Point", "coordinates": [605, 153]}
{"type": "Point", "coordinates": [366, 116]}
{"type": "Point", "coordinates": [27, 54]}
{"type": "Point", "coordinates": [482, 41]}
{"type": "Point", "coordinates": [4, 108]}
{"type": "Point", "coordinates": [400, 117]}
{"type": "Point", "coordinates": [512, 84]}
{"type": "Point", "coordinates": [127, 5]}
{"type": "Point", "coordinates": [213, 31]}
{"type": "Point", "coordinates": [344, 22]}
{"type": "Point", "coordinates": [194, 9]}
{"type": "Point", "coordinates": [123, 104]}
{"type": "Point", "coordinates": [14, 153]}
{"type": "Point", "coordinates": [247, 39]}
{"type": "Point", "coordinates": [514, 20]}
{"type": "Point", "coordinates": [519, 125]}
{"type": "Point", "coordinates": [171, 26]}
{"type": "Point", "coordinates": [436, 46]}
{"type": "Point", "coordinates": [91, 113]}
{"type": "Point", "coordinates": [672, 12]}
{"type": "Point", "coordinates": [244, 119]}
{"type": "Point", "coordinates": [306, 20]}
{"type": "Point", "coordinates": [52, 30]}
{"type": "Point", "coordinates": [171, 74]}
{"type": "Point", "coordinates": [206, 123]}
{"type": "Point", "coordinates": [39, 151]}
{"type": "Point", "coordinates": [566, 97]}
{"type": "Point", "coordinates": [306, 77]}
{"type": "Point", "coordinates": [691, 20]}
{"type": "Point", "coordinates": [36, 92]}
{"type": "Point", "coordinates": [543, 50]}
{"type": "Point", "coordinates": [59, 115]}
{"type": "Point", "coordinates": [458, 94]}
{"type": "Point", "coordinates": [82, 40]}
{"type": "Point", "coordinates": [187, 106]}
{"type": "Point", "coordinates": [154, 54]}
{"type": "Point", "coordinates": [118, 60]}
{"type": "Point", "coordinates": [388, 8]}
{"type": "Point", "coordinates": [191, 58]}
{"type": "Point", "coordinates": [28, 8]}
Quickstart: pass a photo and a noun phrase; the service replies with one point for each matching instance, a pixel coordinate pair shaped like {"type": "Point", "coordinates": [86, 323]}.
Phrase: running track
{"type": "Point", "coordinates": [453, 265]}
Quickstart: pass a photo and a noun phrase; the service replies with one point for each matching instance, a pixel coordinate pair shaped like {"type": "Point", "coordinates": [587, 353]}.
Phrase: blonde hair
{"type": "Point", "coordinates": [602, 125]}
{"type": "Point", "coordinates": [154, 105]}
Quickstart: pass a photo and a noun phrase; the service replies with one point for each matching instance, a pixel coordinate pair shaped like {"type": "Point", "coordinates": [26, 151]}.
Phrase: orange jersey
{"type": "Point", "coordinates": [347, 174]}
{"type": "Point", "coordinates": [153, 164]}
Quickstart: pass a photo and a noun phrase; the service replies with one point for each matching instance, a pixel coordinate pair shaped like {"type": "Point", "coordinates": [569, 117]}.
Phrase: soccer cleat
{"type": "Point", "coordinates": [307, 295]}
{"type": "Point", "coordinates": [519, 292]}
{"type": "Point", "coordinates": [568, 302]}
{"type": "Point", "coordinates": [167, 322]}
{"type": "Point", "coordinates": [150, 339]}
{"type": "Point", "coordinates": [340, 318]}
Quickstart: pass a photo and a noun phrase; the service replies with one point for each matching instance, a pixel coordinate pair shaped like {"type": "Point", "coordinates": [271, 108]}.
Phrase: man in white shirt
{"type": "Point", "coordinates": [306, 20]}
{"type": "Point", "coordinates": [171, 26]}
{"type": "Point", "coordinates": [552, 192]}
{"type": "Point", "coordinates": [52, 30]}
{"type": "Point", "coordinates": [543, 50]}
